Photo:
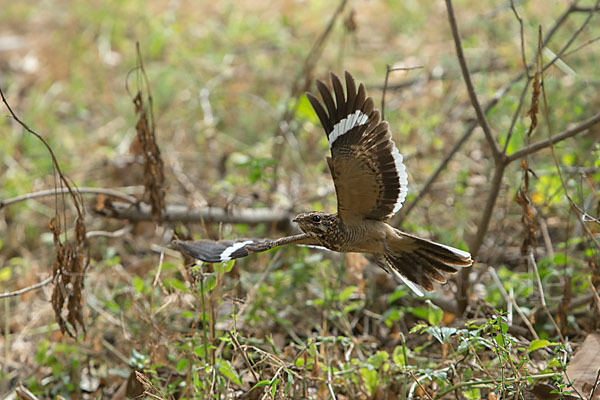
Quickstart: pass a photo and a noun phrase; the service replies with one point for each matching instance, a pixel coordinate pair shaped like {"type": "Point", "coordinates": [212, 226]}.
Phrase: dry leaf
{"type": "Point", "coordinates": [583, 368]}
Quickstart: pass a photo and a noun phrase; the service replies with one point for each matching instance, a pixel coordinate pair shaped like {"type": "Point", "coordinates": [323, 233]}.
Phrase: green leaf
{"type": "Point", "coordinates": [398, 293]}
{"type": "Point", "coordinates": [138, 284]}
{"type": "Point", "coordinates": [537, 344]}
{"type": "Point", "coordinates": [419, 312]}
{"type": "Point", "coordinates": [229, 372]}
{"type": "Point", "coordinates": [5, 273]}
{"type": "Point", "coordinates": [274, 387]}
{"type": "Point", "coordinates": [347, 293]}
{"type": "Point", "coordinates": [261, 383]}
{"type": "Point", "coordinates": [210, 283]}
{"type": "Point", "coordinates": [472, 393]}
{"type": "Point", "coordinates": [499, 338]}
{"type": "Point", "coordinates": [417, 328]}
{"type": "Point", "coordinates": [370, 378]}
{"type": "Point", "coordinates": [199, 351]}
{"type": "Point", "coordinates": [176, 284]}
{"type": "Point", "coordinates": [434, 314]}
{"type": "Point", "coordinates": [182, 364]}
{"type": "Point", "coordinates": [441, 334]}
{"type": "Point", "coordinates": [378, 358]}
{"type": "Point", "coordinates": [229, 265]}
{"type": "Point", "coordinates": [398, 356]}
{"type": "Point", "coordinates": [304, 109]}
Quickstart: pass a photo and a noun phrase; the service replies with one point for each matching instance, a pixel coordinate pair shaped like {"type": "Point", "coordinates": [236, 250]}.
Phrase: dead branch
{"type": "Point", "coordinates": [27, 289]}
{"type": "Point", "coordinates": [83, 190]}
{"type": "Point", "coordinates": [483, 122]}
{"type": "Point", "coordinates": [389, 69]}
{"type": "Point", "coordinates": [491, 104]}
{"type": "Point", "coordinates": [177, 213]}
{"type": "Point", "coordinates": [70, 262]}
{"type": "Point", "coordinates": [542, 144]}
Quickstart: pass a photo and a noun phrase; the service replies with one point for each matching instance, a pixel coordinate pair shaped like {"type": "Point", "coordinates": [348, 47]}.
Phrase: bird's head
{"type": "Point", "coordinates": [316, 223]}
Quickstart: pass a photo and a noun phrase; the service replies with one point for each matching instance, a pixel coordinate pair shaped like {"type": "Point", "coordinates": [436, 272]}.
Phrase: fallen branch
{"type": "Point", "coordinates": [27, 289]}
{"type": "Point", "coordinates": [178, 213]}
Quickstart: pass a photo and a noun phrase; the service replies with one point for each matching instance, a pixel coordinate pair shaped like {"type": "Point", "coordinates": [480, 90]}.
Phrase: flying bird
{"type": "Point", "coordinates": [371, 184]}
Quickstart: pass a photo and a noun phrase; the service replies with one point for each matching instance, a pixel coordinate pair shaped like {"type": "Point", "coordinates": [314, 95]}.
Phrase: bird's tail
{"type": "Point", "coordinates": [420, 262]}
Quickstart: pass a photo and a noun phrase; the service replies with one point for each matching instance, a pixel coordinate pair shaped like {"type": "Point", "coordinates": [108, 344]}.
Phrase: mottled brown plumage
{"type": "Point", "coordinates": [371, 183]}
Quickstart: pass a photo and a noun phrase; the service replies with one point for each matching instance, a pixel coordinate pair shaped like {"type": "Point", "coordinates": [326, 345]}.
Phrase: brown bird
{"type": "Point", "coordinates": [371, 183]}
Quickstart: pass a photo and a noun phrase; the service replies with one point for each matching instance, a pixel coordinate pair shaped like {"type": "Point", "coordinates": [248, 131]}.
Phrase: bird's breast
{"type": "Point", "coordinates": [362, 238]}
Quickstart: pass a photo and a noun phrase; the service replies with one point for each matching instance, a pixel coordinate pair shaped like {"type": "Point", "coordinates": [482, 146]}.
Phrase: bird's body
{"type": "Point", "coordinates": [371, 184]}
{"type": "Point", "coordinates": [332, 233]}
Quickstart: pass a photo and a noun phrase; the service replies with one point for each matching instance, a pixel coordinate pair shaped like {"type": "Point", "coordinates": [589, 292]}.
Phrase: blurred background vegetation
{"type": "Point", "coordinates": [235, 132]}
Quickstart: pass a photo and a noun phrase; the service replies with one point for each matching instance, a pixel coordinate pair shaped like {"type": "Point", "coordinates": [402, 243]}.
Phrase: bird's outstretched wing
{"type": "Point", "coordinates": [369, 176]}
{"type": "Point", "coordinates": [225, 250]}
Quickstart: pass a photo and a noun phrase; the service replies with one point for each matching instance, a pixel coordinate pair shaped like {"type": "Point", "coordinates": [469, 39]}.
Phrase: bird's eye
{"type": "Point", "coordinates": [316, 218]}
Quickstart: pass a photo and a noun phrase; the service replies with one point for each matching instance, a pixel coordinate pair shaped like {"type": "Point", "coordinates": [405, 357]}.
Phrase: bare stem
{"type": "Point", "coordinates": [27, 289]}
{"type": "Point", "coordinates": [487, 130]}
{"type": "Point", "coordinates": [61, 190]}
{"type": "Point", "coordinates": [542, 144]}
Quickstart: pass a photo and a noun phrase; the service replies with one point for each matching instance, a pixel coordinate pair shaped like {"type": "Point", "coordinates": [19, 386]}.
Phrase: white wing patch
{"type": "Point", "coordinates": [226, 254]}
{"type": "Point", "coordinates": [413, 286]}
{"type": "Point", "coordinates": [460, 253]}
{"type": "Point", "coordinates": [402, 177]}
{"type": "Point", "coordinates": [356, 119]}
{"type": "Point", "coordinates": [359, 118]}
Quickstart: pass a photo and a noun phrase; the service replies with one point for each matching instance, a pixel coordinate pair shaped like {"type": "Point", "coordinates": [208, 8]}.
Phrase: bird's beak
{"type": "Point", "coordinates": [295, 220]}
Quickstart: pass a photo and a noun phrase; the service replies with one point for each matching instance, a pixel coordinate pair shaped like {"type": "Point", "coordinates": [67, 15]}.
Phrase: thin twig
{"type": "Point", "coordinates": [420, 386]}
{"type": "Point", "coordinates": [532, 263]}
{"type": "Point", "coordinates": [329, 386]}
{"type": "Point", "coordinates": [522, 34]}
{"type": "Point", "coordinates": [116, 234]}
{"type": "Point", "coordinates": [516, 114]}
{"type": "Point", "coordinates": [483, 122]}
{"type": "Point", "coordinates": [576, 49]}
{"type": "Point", "coordinates": [491, 104]}
{"type": "Point", "coordinates": [27, 289]}
{"type": "Point", "coordinates": [596, 383]}
{"type": "Point", "coordinates": [236, 344]}
{"type": "Point", "coordinates": [594, 295]}
{"type": "Point", "coordinates": [457, 146]}
{"type": "Point", "coordinates": [482, 228]}
{"type": "Point", "coordinates": [511, 300]}
{"type": "Point", "coordinates": [490, 381]}
{"type": "Point", "coordinates": [585, 9]}
{"type": "Point", "coordinates": [583, 215]}
{"type": "Point", "coordinates": [389, 69]}
{"type": "Point", "coordinates": [571, 39]}
{"type": "Point", "coordinates": [160, 264]}
{"type": "Point", "coordinates": [62, 190]}
{"type": "Point", "coordinates": [542, 144]}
